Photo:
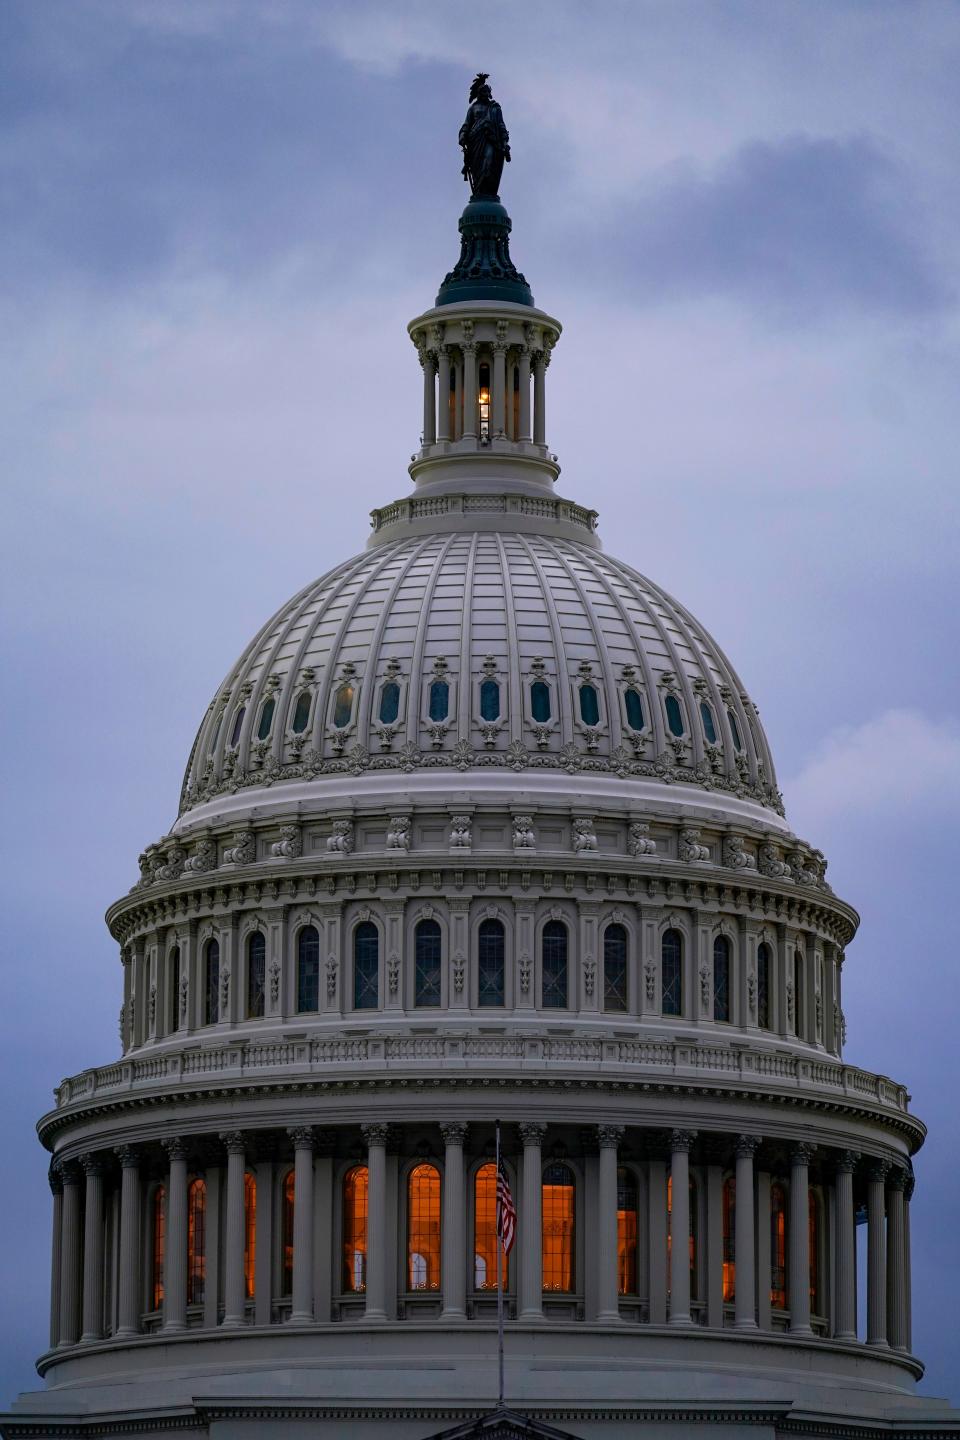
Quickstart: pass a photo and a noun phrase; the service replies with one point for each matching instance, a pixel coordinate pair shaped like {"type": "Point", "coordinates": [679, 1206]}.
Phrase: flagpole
{"type": "Point", "coordinates": [499, 1287]}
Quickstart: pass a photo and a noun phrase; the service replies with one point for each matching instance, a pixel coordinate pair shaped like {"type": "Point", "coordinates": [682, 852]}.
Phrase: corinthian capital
{"type": "Point", "coordinates": [747, 1146]}
{"type": "Point", "coordinates": [454, 1132]}
{"type": "Point", "coordinates": [376, 1134]}
{"type": "Point", "coordinates": [532, 1132]}
{"type": "Point", "coordinates": [681, 1141]}
{"type": "Point", "coordinates": [609, 1136]}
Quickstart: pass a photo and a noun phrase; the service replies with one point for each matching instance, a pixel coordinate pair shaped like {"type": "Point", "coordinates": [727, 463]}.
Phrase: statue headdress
{"type": "Point", "coordinates": [478, 84]}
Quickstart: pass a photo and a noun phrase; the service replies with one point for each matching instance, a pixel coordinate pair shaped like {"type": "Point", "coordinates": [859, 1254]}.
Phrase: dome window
{"type": "Point", "coordinates": [237, 726]}
{"type": "Point", "coordinates": [491, 964]}
{"type": "Point", "coordinates": [249, 1235]}
{"type": "Point", "coordinates": [558, 1209]}
{"type": "Point", "coordinates": [217, 725]}
{"type": "Point", "coordinates": [671, 973]}
{"type": "Point", "coordinates": [389, 702]}
{"type": "Point", "coordinates": [489, 700]}
{"type": "Point", "coordinates": [626, 1231]}
{"type": "Point", "coordinates": [735, 730]}
{"type": "Point", "coordinates": [196, 1242]}
{"type": "Point", "coordinates": [778, 1247]}
{"type": "Point", "coordinates": [540, 701]}
{"type": "Point", "coordinates": [256, 971]}
{"type": "Point", "coordinates": [483, 402]}
{"type": "Point", "coordinates": [615, 968]}
{"type": "Point", "coordinates": [211, 993]}
{"type": "Point", "coordinates": [343, 707]}
{"type": "Point", "coordinates": [674, 715]}
{"type": "Point", "coordinates": [423, 1228]}
{"type": "Point", "coordinates": [355, 1204]}
{"type": "Point", "coordinates": [439, 700]}
{"type": "Point", "coordinates": [634, 707]}
{"type": "Point", "coordinates": [709, 729]}
{"type": "Point", "coordinates": [589, 705]}
{"type": "Point", "coordinates": [301, 714]}
{"type": "Point", "coordinates": [159, 1245]}
{"type": "Point", "coordinates": [366, 966]}
{"type": "Point", "coordinates": [485, 1244]}
{"type": "Point", "coordinates": [763, 986]}
{"type": "Point", "coordinates": [266, 718]}
{"type": "Point", "coordinates": [427, 964]}
{"type": "Point", "coordinates": [553, 958]}
{"type": "Point", "coordinates": [721, 979]}
{"type": "Point", "coordinates": [308, 970]}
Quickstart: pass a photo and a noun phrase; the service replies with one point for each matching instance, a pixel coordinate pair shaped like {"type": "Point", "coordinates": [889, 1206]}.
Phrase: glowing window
{"type": "Point", "coordinates": [343, 706]}
{"type": "Point", "coordinates": [196, 1241]}
{"type": "Point", "coordinates": [427, 948]}
{"type": "Point", "coordinates": [366, 966]}
{"type": "Point", "coordinates": [485, 1243]}
{"type": "Point", "coordinates": [491, 963]}
{"type": "Point", "coordinates": [159, 1245]}
{"type": "Point", "coordinates": [266, 718]}
{"type": "Point", "coordinates": [589, 705]}
{"type": "Point", "coordinates": [423, 1228]}
{"type": "Point", "coordinates": [489, 700]}
{"type": "Point", "coordinates": [173, 972]}
{"type": "Point", "coordinates": [558, 1227]}
{"type": "Point", "coordinates": [308, 970]}
{"type": "Point", "coordinates": [540, 701]}
{"type": "Point", "coordinates": [237, 726]}
{"type": "Point", "coordinates": [709, 729]}
{"type": "Point", "coordinates": [734, 730]}
{"type": "Point", "coordinates": [721, 978]}
{"type": "Point", "coordinates": [301, 713]}
{"type": "Point", "coordinates": [671, 973]}
{"type": "Point", "coordinates": [389, 702]}
{"type": "Point", "coordinates": [778, 1247]}
{"type": "Point", "coordinates": [813, 1231]}
{"type": "Point", "coordinates": [286, 1233]}
{"type": "Point", "coordinates": [674, 715]}
{"type": "Point", "coordinates": [353, 1267]}
{"type": "Point", "coordinates": [249, 1234]}
{"type": "Point", "coordinates": [211, 993]}
{"type": "Point", "coordinates": [634, 708]}
{"type": "Point", "coordinates": [692, 1236]}
{"type": "Point", "coordinates": [439, 700]}
{"type": "Point", "coordinates": [729, 1221]}
{"type": "Point", "coordinates": [256, 974]}
{"type": "Point", "coordinates": [626, 1232]}
{"type": "Point", "coordinates": [763, 985]}
{"type": "Point", "coordinates": [553, 954]}
{"type": "Point", "coordinates": [615, 968]}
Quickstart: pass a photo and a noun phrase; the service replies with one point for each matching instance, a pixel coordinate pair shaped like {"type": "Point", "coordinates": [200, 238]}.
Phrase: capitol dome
{"type": "Point", "coordinates": [480, 886]}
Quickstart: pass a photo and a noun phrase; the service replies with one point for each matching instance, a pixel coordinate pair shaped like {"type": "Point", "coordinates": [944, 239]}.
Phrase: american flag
{"type": "Point", "coordinates": [506, 1211]}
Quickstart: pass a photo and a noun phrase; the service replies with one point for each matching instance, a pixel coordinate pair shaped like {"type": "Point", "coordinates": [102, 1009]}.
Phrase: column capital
{"type": "Point", "coordinates": [879, 1171]}
{"type": "Point", "coordinates": [898, 1179]}
{"type": "Point", "coordinates": [746, 1146]}
{"type": "Point", "coordinates": [532, 1132]}
{"type": "Point", "coordinates": [69, 1171]}
{"type": "Point", "coordinates": [454, 1132]}
{"type": "Point", "coordinates": [54, 1178]}
{"type": "Point", "coordinates": [302, 1136]}
{"type": "Point", "coordinates": [376, 1134]}
{"type": "Point", "coordinates": [128, 1155]}
{"type": "Point", "coordinates": [802, 1153]}
{"type": "Point", "coordinates": [235, 1141]}
{"type": "Point", "coordinates": [609, 1136]}
{"type": "Point", "coordinates": [93, 1163]}
{"type": "Point", "coordinates": [177, 1148]}
{"type": "Point", "coordinates": [846, 1161]}
{"type": "Point", "coordinates": [681, 1141]}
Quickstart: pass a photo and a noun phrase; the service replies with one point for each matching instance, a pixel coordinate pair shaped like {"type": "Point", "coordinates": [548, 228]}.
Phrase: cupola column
{"type": "Point", "coordinates": [376, 1138]}
{"type": "Point", "coordinates": [846, 1247]}
{"type": "Point", "coordinates": [428, 361]}
{"type": "Point", "coordinates": [301, 1308]}
{"type": "Point", "coordinates": [469, 383]}
{"type": "Point", "coordinates": [56, 1188]}
{"type": "Point", "coordinates": [608, 1138]}
{"type": "Point", "coordinates": [745, 1231]}
{"type": "Point", "coordinates": [531, 1223]}
{"type": "Point", "coordinates": [234, 1289]}
{"type": "Point", "coordinates": [443, 393]}
{"type": "Point", "coordinates": [500, 380]}
{"type": "Point", "coordinates": [70, 1256]}
{"type": "Point", "coordinates": [453, 1266]}
{"type": "Point", "coordinates": [175, 1258]}
{"type": "Point", "coordinates": [799, 1243]}
{"type": "Point", "coordinates": [524, 416]}
{"type": "Point", "coordinates": [128, 1278]}
{"type": "Point", "coordinates": [876, 1255]}
{"type": "Point", "coordinates": [896, 1267]}
{"type": "Point", "coordinates": [680, 1145]}
{"type": "Point", "coordinates": [93, 1249]}
{"type": "Point", "coordinates": [541, 360]}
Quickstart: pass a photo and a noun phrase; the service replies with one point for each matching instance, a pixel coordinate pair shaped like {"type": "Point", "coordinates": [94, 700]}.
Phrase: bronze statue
{"type": "Point", "coordinates": [484, 140]}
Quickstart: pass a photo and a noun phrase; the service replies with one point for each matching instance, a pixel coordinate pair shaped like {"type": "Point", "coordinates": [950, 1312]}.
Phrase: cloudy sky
{"type": "Point", "coordinates": [215, 220]}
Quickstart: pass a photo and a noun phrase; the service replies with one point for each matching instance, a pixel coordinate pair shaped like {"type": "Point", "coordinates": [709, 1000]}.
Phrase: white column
{"type": "Point", "coordinates": [376, 1138]}
{"type": "Point", "coordinates": [608, 1288]}
{"type": "Point", "coordinates": [907, 1279]}
{"type": "Point", "coordinates": [301, 1310]}
{"type": "Point", "coordinates": [715, 1243]}
{"type": "Point", "coordinates": [846, 1246]}
{"type": "Point", "coordinates": [175, 1247]}
{"type": "Point", "coordinates": [876, 1255]}
{"type": "Point", "coordinates": [657, 1239]}
{"type": "Point", "coordinates": [896, 1261]}
{"type": "Point", "coordinates": [234, 1283]}
{"type": "Point", "coordinates": [70, 1248]}
{"type": "Point", "coordinates": [799, 1240]}
{"type": "Point", "coordinates": [763, 1250]}
{"type": "Point", "coordinates": [263, 1264]}
{"type": "Point", "coordinates": [128, 1278]}
{"type": "Point", "coordinates": [524, 417]}
{"type": "Point", "coordinates": [539, 397]}
{"type": "Point", "coordinates": [443, 394]}
{"type": "Point", "coordinates": [93, 1249]}
{"type": "Point", "coordinates": [500, 381]}
{"type": "Point", "coordinates": [453, 1225]}
{"type": "Point", "coordinates": [745, 1295]}
{"type": "Point", "coordinates": [531, 1223]}
{"type": "Point", "coordinates": [428, 361]}
{"type": "Point", "coordinates": [680, 1144]}
{"type": "Point", "coordinates": [56, 1188]}
{"type": "Point", "coordinates": [469, 389]}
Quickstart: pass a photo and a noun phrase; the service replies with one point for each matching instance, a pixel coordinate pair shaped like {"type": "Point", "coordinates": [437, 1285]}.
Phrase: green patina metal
{"type": "Point", "coordinates": [484, 270]}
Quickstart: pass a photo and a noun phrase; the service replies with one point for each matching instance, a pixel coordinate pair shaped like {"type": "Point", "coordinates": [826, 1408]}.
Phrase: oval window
{"type": "Point", "coordinates": [634, 707]}
{"type": "Point", "coordinates": [589, 705]}
{"type": "Point", "coordinates": [266, 718]}
{"type": "Point", "coordinates": [343, 709]}
{"type": "Point", "coordinates": [439, 700]}
{"type": "Point", "coordinates": [709, 729]}
{"type": "Point", "coordinates": [674, 715]}
{"type": "Point", "coordinates": [734, 730]}
{"type": "Point", "coordinates": [389, 702]}
{"type": "Point", "coordinates": [302, 713]}
{"type": "Point", "coordinates": [238, 725]}
{"type": "Point", "coordinates": [489, 700]}
{"type": "Point", "coordinates": [540, 701]}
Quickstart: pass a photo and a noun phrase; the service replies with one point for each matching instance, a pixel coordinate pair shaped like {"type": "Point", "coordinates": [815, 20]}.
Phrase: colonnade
{"type": "Point", "coordinates": [453, 372]}
{"type": "Point", "coordinates": [81, 1312]}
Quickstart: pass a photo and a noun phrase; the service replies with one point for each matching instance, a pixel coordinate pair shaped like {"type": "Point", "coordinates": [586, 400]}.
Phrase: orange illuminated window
{"type": "Point", "coordinates": [729, 1210]}
{"type": "Point", "coordinates": [353, 1277]}
{"type": "Point", "coordinates": [485, 1231]}
{"type": "Point", "coordinates": [196, 1241]}
{"type": "Point", "coordinates": [691, 1242]}
{"type": "Point", "coordinates": [558, 1221]}
{"type": "Point", "coordinates": [423, 1228]}
{"type": "Point", "coordinates": [626, 1232]}
{"type": "Point", "coordinates": [778, 1248]}
{"type": "Point", "coordinates": [249, 1233]}
{"type": "Point", "coordinates": [159, 1244]}
{"type": "Point", "coordinates": [286, 1233]}
{"type": "Point", "coordinates": [814, 1234]}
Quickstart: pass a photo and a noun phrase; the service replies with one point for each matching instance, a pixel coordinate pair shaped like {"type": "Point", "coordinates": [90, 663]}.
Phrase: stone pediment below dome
{"type": "Point", "coordinates": [503, 1424]}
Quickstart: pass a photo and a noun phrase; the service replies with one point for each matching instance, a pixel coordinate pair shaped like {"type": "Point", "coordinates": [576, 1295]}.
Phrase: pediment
{"type": "Point", "coordinates": [503, 1424]}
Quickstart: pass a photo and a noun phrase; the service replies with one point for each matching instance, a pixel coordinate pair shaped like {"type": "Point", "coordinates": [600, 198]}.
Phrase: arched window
{"type": "Point", "coordinates": [692, 1229]}
{"type": "Point", "coordinates": [389, 702]}
{"type": "Point", "coordinates": [427, 947]}
{"type": "Point", "coordinates": [249, 1235]}
{"type": "Point", "coordinates": [256, 974]}
{"type": "Point", "coordinates": [353, 1268]}
{"type": "Point", "coordinates": [217, 725]}
{"type": "Point", "coordinates": [286, 1233]}
{"type": "Point", "coordinates": [799, 996]}
{"type": "Point", "coordinates": [778, 1247]}
{"type": "Point", "coordinates": [674, 715]}
{"type": "Point", "coordinates": [558, 1193]}
{"type": "Point", "coordinates": [483, 400]}
{"type": "Point", "coordinates": [491, 964]}
{"type": "Point", "coordinates": [485, 1242]}
{"type": "Point", "coordinates": [589, 705]}
{"type": "Point", "coordinates": [671, 973]}
{"type": "Point", "coordinates": [729, 1220]}
{"type": "Point", "coordinates": [734, 730]}
{"type": "Point", "coordinates": [540, 701]}
{"type": "Point", "coordinates": [489, 700]}
{"type": "Point", "coordinates": [615, 968]}
{"type": "Point", "coordinates": [237, 726]}
{"type": "Point", "coordinates": [173, 980]}
{"type": "Point", "coordinates": [343, 705]}
{"type": "Point", "coordinates": [266, 718]}
{"type": "Point", "coordinates": [301, 714]}
{"type": "Point", "coordinates": [813, 1231]}
{"type": "Point", "coordinates": [366, 966]}
{"type": "Point", "coordinates": [159, 1245]}
{"type": "Point", "coordinates": [634, 707]}
{"type": "Point", "coordinates": [439, 700]}
{"type": "Point", "coordinates": [308, 970]}
{"type": "Point", "coordinates": [423, 1228]}
{"type": "Point", "coordinates": [763, 985]}
{"type": "Point", "coordinates": [196, 1241]}
{"type": "Point", "coordinates": [553, 954]}
{"type": "Point", "coordinates": [626, 1231]}
{"type": "Point", "coordinates": [721, 978]}
{"type": "Point", "coordinates": [709, 729]}
{"type": "Point", "coordinates": [211, 989]}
